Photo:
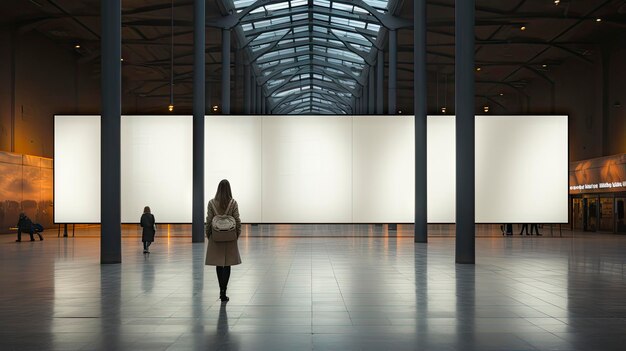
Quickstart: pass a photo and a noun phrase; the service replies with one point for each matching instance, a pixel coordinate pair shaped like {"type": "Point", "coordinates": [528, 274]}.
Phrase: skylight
{"type": "Point", "coordinates": [311, 51]}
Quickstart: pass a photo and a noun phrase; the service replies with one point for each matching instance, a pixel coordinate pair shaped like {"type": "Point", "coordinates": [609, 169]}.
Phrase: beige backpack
{"type": "Point", "coordinates": [223, 226]}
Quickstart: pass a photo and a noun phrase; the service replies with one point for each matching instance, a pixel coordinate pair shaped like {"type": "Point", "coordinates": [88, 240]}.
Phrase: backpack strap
{"type": "Point", "coordinates": [212, 202]}
{"type": "Point", "coordinates": [230, 204]}
{"type": "Point", "coordinates": [227, 208]}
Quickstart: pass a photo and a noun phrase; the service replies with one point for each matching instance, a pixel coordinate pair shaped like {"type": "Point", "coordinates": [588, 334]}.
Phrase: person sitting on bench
{"type": "Point", "coordinates": [24, 224]}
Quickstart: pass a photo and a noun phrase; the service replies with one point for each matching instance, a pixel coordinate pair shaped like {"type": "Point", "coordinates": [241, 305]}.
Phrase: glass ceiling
{"type": "Point", "coordinates": [310, 56]}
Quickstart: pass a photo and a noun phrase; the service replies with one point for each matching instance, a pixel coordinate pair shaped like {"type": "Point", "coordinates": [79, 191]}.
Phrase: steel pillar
{"type": "Point", "coordinates": [226, 71]}
{"type": "Point", "coordinates": [464, 106]}
{"type": "Point", "coordinates": [393, 71]}
{"type": "Point", "coordinates": [111, 91]}
{"type": "Point", "coordinates": [199, 109]}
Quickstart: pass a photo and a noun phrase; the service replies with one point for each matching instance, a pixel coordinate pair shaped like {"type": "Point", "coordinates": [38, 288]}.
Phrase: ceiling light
{"type": "Point", "coordinates": [122, 59]}
{"type": "Point", "coordinates": [522, 28]}
{"type": "Point", "coordinates": [77, 46]}
{"type": "Point", "coordinates": [501, 94]}
{"type": "Point", "coordinates": [486, 108]}
{"type": "Point", "coordinates": [598, 19]}
{"type": "Point", "coordinates": [556, 2]}
{"type": "Point", "coordinates": [478, 69]}
{"type": "Point", "coordinates": [443, 109]}
{"type": "Point", "coordinates": [170, 108]}
{"type": "Point", "coordinates": [544, 65]}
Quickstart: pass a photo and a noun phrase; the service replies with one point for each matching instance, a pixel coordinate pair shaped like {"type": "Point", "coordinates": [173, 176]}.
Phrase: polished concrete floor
{"type": "Point", "coordinates": [376, 292]}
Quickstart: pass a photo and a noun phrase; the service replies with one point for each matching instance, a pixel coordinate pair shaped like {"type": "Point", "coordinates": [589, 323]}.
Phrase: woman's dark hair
{"type": "Point", "coordinates": [146, 209]}
{"type": "Point", "coordinates": [223, 195]}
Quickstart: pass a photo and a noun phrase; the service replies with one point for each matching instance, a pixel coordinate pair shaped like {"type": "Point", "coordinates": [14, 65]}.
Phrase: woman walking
{"type": "Point", "coordinates": [149, 228]}
{"type": "Point", "coordinates": [222, 230]}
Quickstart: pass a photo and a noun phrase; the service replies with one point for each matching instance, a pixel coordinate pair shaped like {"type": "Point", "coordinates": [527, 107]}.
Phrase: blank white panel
{"type": "Point", "coordinates": [306, 172]}
{"type": "Point", "coordinates": [383, 188]}
{"type": "Point", "coordinates": [233, 152]}
{"type": "Point", "coordinates": [77, 169]}
{"type": "Point", "coordinates": [156, 165]}
{"type": "Point", "coordinates": [521, 169]}
{"type": "Point", "coordinates": [441, 169]}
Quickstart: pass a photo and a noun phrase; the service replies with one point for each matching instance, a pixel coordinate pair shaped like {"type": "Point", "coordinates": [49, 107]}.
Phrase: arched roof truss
{"type": "Point", "coordinates": [310, 56]}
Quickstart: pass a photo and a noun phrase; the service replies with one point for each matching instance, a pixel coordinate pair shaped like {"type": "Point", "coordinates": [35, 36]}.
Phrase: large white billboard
{"type": "Point", "coordinates": [156, 167]}
{"type": "Point", "coordinates": [521, 169]}
{"type": "Point", "coordinates": [77, 169]}
{"type": "Point", "coordinates": [317, 169]}
{"type": "Point", "coordinates": [233, 151]}
{"type": "Point", "coordinates": [156, 154]}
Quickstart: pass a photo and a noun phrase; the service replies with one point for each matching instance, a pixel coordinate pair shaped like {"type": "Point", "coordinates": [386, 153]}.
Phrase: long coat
{"type": "Point", "coordinates": [147, 222]}
{"type": "Point", "coordinates": [222, 253]}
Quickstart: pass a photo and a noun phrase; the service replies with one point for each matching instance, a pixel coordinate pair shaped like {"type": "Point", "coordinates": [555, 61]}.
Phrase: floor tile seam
{"type": "Point", "coordinates": [332, 266]}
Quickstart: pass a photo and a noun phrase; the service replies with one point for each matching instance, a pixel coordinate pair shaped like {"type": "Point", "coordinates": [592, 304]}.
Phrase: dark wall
{"type": "Point", "coordinates": [591, 93]}
{"type": "Point", "coordinates": [38, 79]}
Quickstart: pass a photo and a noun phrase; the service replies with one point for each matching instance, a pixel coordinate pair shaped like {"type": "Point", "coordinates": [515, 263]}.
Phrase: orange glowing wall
{"type": "Point", "coordinates": [25, 186]}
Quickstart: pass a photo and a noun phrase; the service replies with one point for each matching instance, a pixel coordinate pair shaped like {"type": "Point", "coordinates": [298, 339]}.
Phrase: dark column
{"type": "Point", "coordinates": [247, 99]}
{"type": "Point", "coordinates": [380, 82]}
{"type": "Point", "coordinates": [197, 226]}
{"type": "Point", "coordinates": [606, 104]}
{"type": "Point", "coordinates": [419, 100]}
{"type": "Point", "coordinates": [263, 102]}
{"type": "Point", "coordinates": [111, 89]}
{"type": "Point", "coordinates": [259, 97]}
{"type": "Point", "coordinates": [464, 106]}
{"type": "Point", "coordinates": [393, 71]}
{"type": "Point", "coordinates": [226, 71]}
{"type": "Point", "coordinates": [371, 90]}
{"type": "Point", "coordinates": [253, 94]}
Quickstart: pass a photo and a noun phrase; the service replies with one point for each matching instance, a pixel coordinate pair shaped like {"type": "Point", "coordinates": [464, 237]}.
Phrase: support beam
{"type": "Point", "coordinates": [419, 101]}
{"type": "Point", "coordinates": [393, 71]}
{"type": "Point", "coordinates": [199, 108]}
{"type": "Point", "coordinates": [247, 99]}
{"type": "Point", "coordinates": [259, 97]}
{"type": "Point", "coordinates": [226, 71]}
{"type": "Point", "coordinates": [253, 94]}
{"type": "Point", "coordinates": [111, 90]}
{"type": "Point", "coordinates": [464, 106]}
{"type": "Point", "coordinates": [371, 90]}
{"type": "Point", "coordinates": [380, 81]}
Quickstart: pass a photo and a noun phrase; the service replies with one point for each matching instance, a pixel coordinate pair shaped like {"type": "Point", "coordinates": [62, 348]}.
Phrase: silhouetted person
{"type": "Point", "coordinates": [507, 229]}
{"type": "Point", "coordinates": [524, 226]}
{"type": "Point", "coordinates": [536, 229]}
{"type": "Point", "coordinates": [24, 224]}
{"type": "Point", "coordinates": [222, 230]}
{"type": "Point", "coordinates": [149, 228]}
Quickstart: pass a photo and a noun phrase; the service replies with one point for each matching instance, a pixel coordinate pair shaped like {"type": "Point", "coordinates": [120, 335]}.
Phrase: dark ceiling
{"type": "Point", "coordinates": [509, 58]}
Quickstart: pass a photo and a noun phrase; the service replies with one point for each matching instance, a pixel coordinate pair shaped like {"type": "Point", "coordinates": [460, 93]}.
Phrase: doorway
{"type": "Point", "coordinates": [605, 211]}
{"type": "Point", "coordinates": [591, 207]}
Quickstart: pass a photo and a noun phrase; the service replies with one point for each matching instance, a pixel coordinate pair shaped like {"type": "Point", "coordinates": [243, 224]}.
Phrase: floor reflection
{"type": "Point", "coordinates": [328, 293]}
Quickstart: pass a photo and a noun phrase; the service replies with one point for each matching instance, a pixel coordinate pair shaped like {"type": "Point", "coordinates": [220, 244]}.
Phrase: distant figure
{"type": "Point", "coordinates": [524, 226]}
{"type": "Point", "coordinates": [536, 229]}
{"type": "Point", "coordinates": [24, 224]}
{"type": "Point", "coordinates": [223, 229]}
{"type": "Point", "coordinates": [507, 229]}
{"type": "Point", "coordinates": [149, 229]}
